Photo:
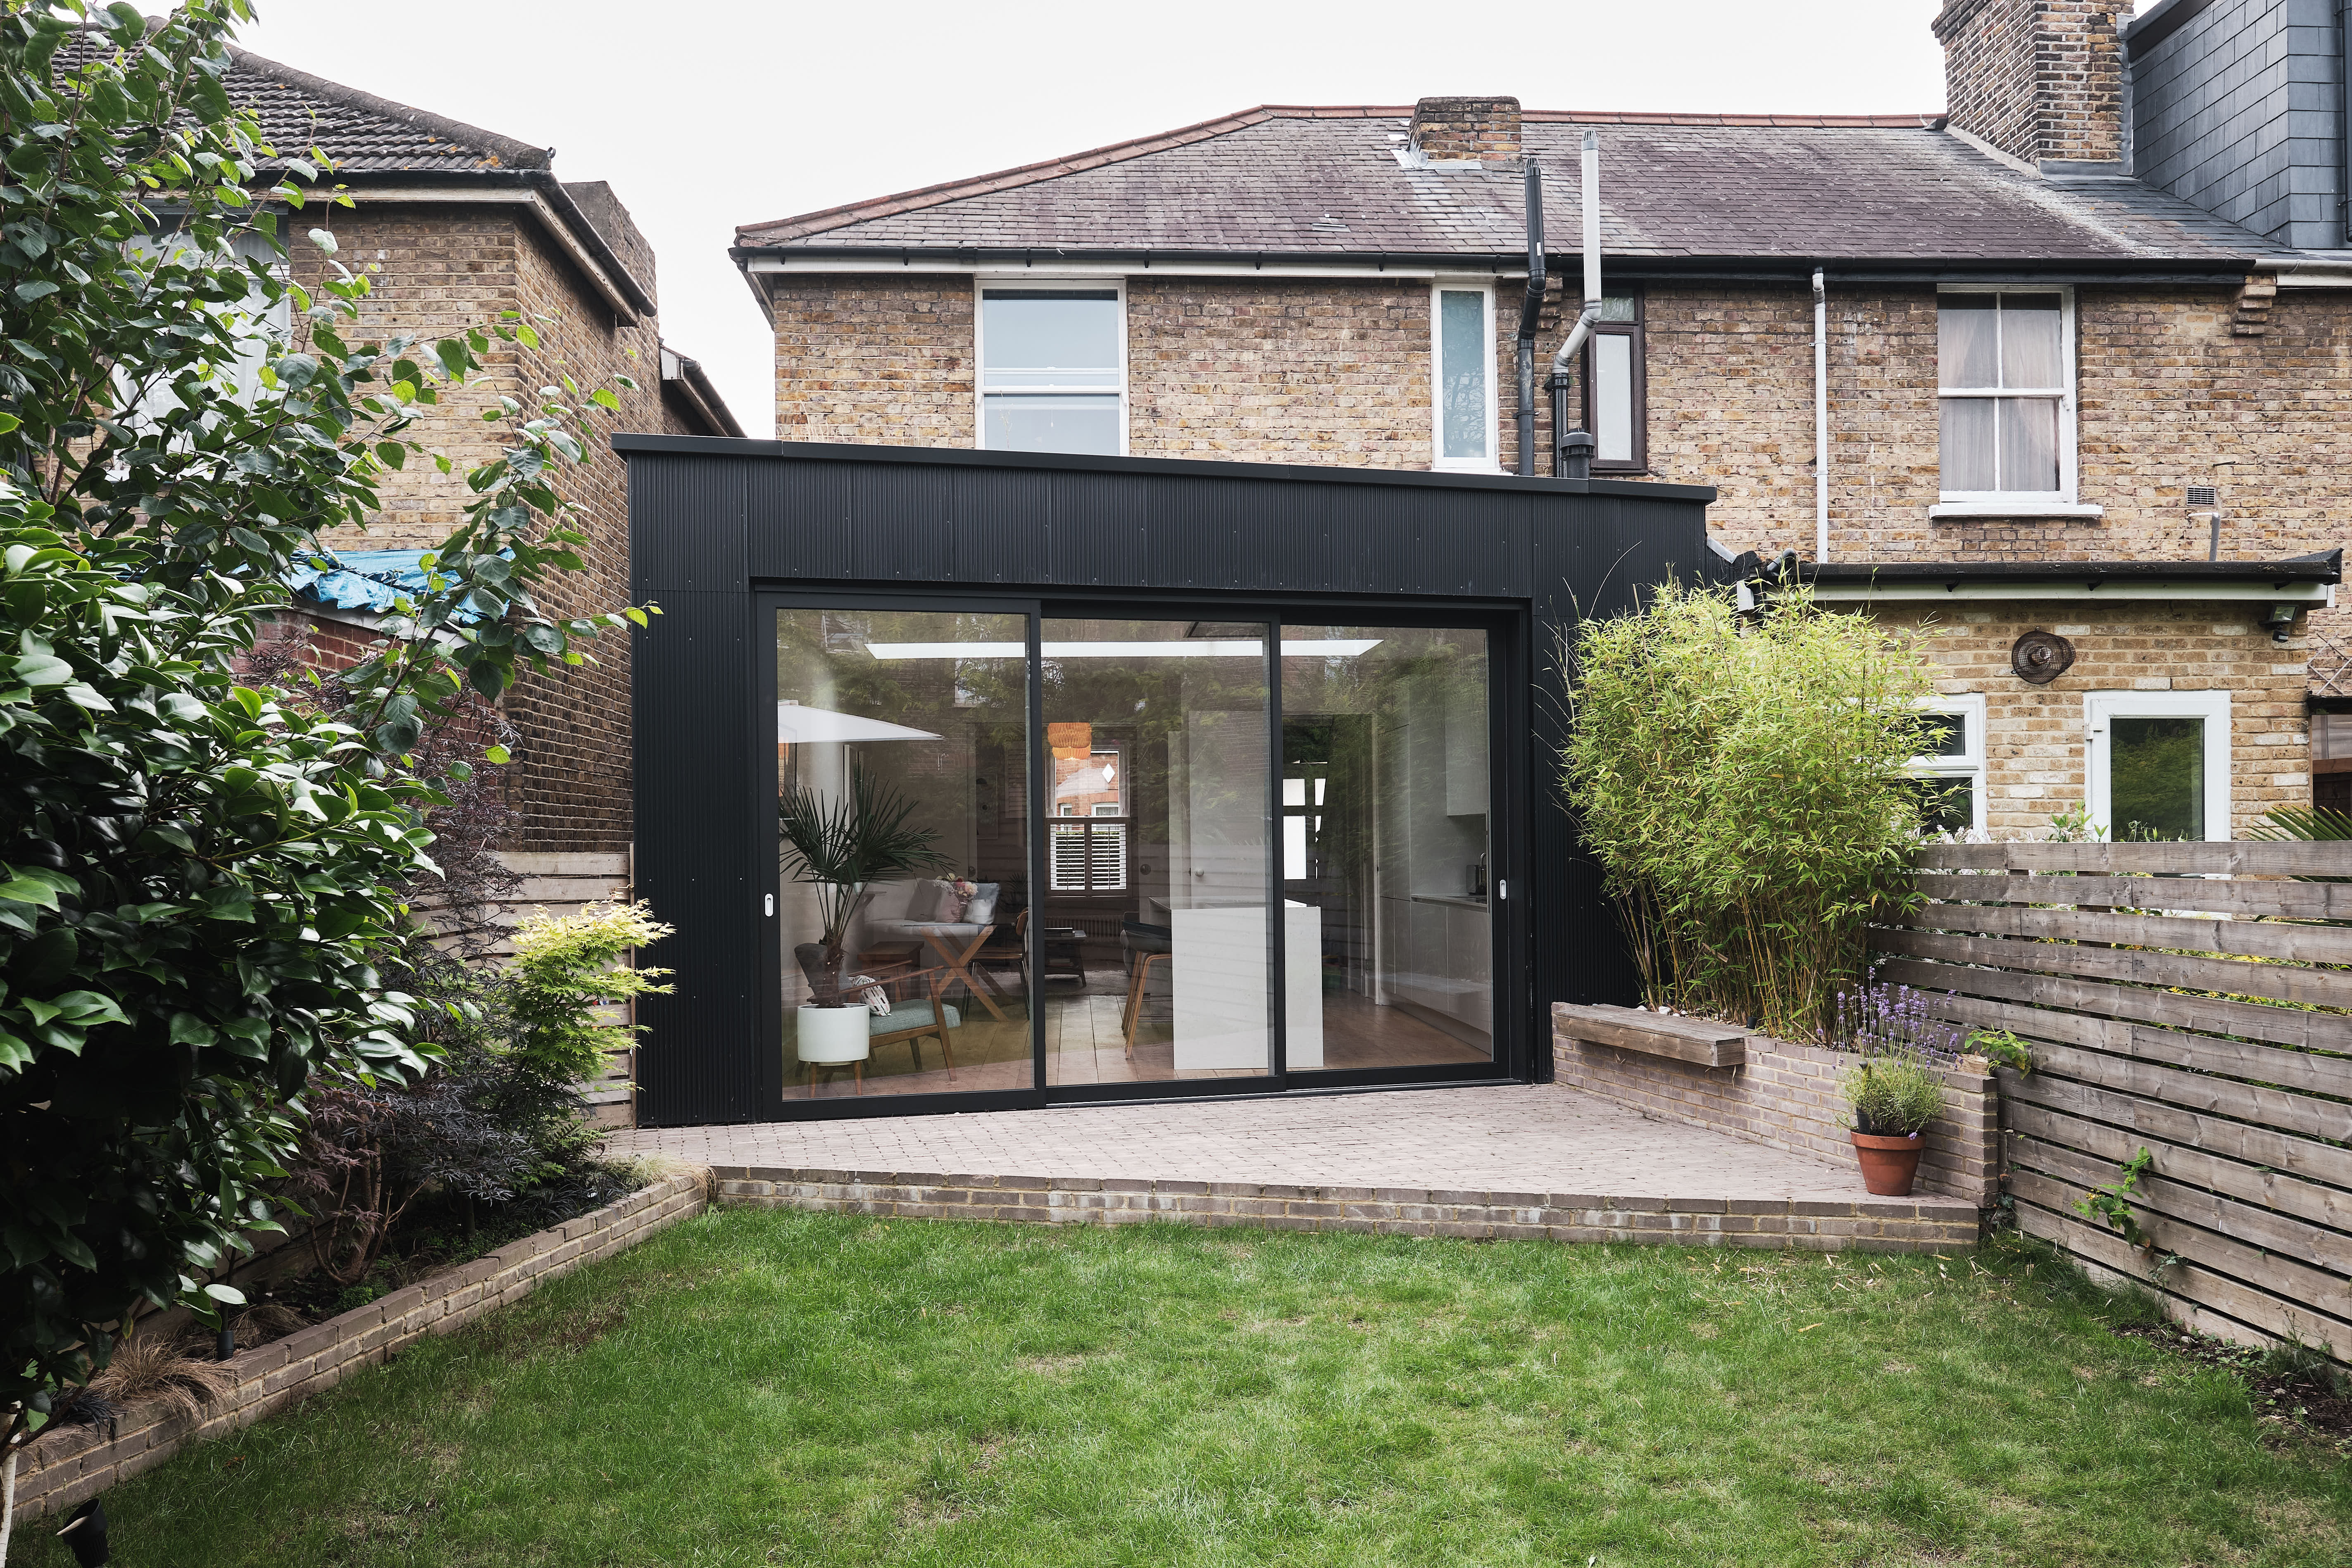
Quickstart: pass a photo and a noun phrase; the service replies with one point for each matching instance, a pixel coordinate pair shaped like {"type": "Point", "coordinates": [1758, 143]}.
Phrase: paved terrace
{"type": "Point", "coordinates": [1531, 1163]}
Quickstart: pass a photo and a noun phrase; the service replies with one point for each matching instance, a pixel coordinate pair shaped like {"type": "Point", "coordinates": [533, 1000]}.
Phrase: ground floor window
{"type": "Point", "coordinates": [2159, 763]}
{"type": "Point", "coordinates": [1951, 767]}
{"type": "Point", "coordinates": [1252, 848]}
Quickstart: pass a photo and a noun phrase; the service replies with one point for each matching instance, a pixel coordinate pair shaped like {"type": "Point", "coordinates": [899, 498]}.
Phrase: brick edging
{"type": "Point", "coordinates": [1787, 1097]}
{"type": "Point", "coordinates": [1878, 1225]}
{"type": "Point", "coordinates": [62, 1467]}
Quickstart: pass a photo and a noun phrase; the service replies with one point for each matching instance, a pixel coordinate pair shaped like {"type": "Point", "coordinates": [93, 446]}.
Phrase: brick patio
{"type": "Point", "coordinates": [1535, 1163]}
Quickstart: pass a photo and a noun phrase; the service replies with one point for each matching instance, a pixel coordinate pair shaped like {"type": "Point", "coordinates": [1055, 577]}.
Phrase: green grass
{"type": "Point", "coordinates": [760, 1387]}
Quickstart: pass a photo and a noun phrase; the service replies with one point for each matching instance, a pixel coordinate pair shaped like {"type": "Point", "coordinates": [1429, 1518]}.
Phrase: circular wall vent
{"type": "Point", "coordinates": [2041, 657]}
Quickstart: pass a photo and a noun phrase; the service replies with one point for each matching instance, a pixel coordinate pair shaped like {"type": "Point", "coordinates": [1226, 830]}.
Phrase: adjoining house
{"type": "Point", "coordinates": [457, 224]}
{"type": "Point", "coordinates": [1978, 369]}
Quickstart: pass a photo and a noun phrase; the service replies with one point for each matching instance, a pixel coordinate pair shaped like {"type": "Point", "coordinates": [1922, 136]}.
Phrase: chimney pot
{"type": "Point", "coordinates": [1466, 129]}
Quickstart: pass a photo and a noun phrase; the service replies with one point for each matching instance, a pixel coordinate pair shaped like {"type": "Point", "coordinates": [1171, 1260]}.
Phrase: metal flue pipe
{"type": "Point", "coordinates": [1530, 313]}
{"type": "Point", "coordinates": [1569, 455]}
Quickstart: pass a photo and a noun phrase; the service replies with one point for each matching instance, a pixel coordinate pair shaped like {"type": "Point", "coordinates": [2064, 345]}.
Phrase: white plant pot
{"type": "Point", "coordinates": [831, 1034]}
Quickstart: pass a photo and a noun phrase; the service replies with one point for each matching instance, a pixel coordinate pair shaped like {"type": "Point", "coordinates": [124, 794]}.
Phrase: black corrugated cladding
{"type": "Point", "coordinates": [713, 522]}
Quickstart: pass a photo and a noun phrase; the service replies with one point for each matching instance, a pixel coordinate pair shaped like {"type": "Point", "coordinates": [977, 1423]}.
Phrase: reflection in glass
{"type": "Point", "coordinates": [1384, 804]}
{"type": "Point", "coordinates": [941, 736]}
{"type": "Point", "coordinates": [2156, 779]}
{"type": "Point", "coordinates": [1463, 357]}
{"type": "Point", "coordinates": [1156, 962]}
{"type": "Point", "coordinates": [1612, 397]}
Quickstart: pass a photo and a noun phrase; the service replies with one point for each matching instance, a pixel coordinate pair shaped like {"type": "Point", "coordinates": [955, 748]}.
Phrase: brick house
{"type": "Point", "coordinates": [459, 225]}
{"type": "Point", "coordinates": [2081, 347]}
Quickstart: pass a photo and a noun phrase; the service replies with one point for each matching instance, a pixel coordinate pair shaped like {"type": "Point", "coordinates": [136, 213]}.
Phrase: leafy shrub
{"type": "Point", "coordinates": [1892, 1096]}
{"type": "Point", "coordinates": [563, 969]}
{"type": "Point", "coordinates": [1741, 782]}
{"type": "Point", "coordinates": [199, 877]}
{"type": "Point", "coordinates": [2003, 1049]}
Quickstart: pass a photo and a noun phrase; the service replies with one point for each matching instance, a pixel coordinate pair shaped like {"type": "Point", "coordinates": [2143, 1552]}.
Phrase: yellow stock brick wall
{"type": "Point", "coordinates": [438, 269]}
{"type": "Point", "coordinates": [2033, 761]}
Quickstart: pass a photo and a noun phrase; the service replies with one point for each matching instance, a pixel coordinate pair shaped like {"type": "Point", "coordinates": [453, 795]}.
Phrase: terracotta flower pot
{"type": "Point", "coordinates": [1889, 1165]}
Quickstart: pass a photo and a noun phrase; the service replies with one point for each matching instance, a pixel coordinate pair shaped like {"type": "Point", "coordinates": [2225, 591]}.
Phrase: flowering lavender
{"type": "Point", "coordinates": [1893, 1020]}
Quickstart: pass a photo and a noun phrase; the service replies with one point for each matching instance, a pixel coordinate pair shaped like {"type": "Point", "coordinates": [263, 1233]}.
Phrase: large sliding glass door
{"type": "Point", "coordinates": [1386, 790]}
{"type": "Point", "coordinates": [1044, 856]}
{"type": "Point", "coordinates": [902, 804]}
{"type": "Point", "coordinates": [1154, 924]}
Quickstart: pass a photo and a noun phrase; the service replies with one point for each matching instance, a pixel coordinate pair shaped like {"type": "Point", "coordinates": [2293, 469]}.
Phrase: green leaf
{"type": "Point", "coordinates": [25, 890]}
{"type": "Point", "coordinates": [498, 755]}
{"type": "Point", "coordinates": [39, 288]}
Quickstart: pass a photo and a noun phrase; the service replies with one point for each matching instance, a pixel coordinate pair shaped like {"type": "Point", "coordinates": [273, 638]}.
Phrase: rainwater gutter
{"type": "Point", "coordinates": [1530, 314]}
{"type": "Point", "coordinates": [1572, 449]}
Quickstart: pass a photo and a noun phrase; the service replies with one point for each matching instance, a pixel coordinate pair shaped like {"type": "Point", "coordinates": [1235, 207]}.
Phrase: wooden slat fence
{"type": "Point", "coordinates": [561, 883]}
{"type": "Point", "coordinates": [2191, 999]}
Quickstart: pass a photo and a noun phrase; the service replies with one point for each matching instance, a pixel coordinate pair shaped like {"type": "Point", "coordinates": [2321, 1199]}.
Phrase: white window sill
{"type": "Point", "coordinates": [2024, 507]}
{"type": "Point", "coordinates": [1466, 466]}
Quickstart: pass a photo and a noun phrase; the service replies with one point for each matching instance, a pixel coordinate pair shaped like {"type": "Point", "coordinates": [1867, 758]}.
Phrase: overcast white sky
{"type": "Point", "coordinates": [714, 112]}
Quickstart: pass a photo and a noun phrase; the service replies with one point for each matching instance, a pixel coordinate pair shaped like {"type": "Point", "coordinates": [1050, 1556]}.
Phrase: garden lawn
{"type": "Point", "coordinates": [757, 1387]}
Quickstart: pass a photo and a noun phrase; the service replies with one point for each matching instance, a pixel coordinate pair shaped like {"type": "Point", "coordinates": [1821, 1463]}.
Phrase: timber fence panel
{"type": "Point", "coordinates": [2193, 1000]}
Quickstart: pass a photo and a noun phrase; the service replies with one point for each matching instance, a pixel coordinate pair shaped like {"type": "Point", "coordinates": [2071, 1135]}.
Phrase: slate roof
{"type": "Point", "coordinates": [1299, 181]}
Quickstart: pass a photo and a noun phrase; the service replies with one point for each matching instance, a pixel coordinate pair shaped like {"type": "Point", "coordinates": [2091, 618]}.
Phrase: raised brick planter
{"type": "Point", "coordinates": [1787, 1096]}
{"type": "Point", "coordinates": [60, 1469]}
{"type": "Point", "coordinates": [1877, 1225]}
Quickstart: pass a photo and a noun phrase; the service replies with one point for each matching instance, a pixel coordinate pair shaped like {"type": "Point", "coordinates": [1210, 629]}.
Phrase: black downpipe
{"type": "Point", "coordinates": [1530, 315]}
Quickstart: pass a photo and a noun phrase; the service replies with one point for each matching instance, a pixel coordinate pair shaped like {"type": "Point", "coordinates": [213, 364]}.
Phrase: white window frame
{"type": "Point", "coordinates": [1491, 463]}
{"type": "Point", "coordinates": [2098, 751]}
{"type": "Point", "coordinates": [980, 390]}
{"type": "Point", "coordinates": [2059, 502]}
{"type": "Point", "coordinates": [1968, 764]}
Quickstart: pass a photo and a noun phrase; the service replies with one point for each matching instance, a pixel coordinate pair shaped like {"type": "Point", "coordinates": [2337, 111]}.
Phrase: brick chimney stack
{"type": "Point", "coordinates": [2041, 80]}
{"type": "Point", "coordinates": [1467, 130]}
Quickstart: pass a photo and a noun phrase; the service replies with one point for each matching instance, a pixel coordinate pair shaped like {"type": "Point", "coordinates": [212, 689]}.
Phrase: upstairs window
{"type": "Point", "coordinates": [1616, 389]}
{"type": "Point", "coordinates": [1052, 371]}
{"type": "Point", "coordinates": [1463, 327]}
{"type": "Point", "coordinates": [2005, 368]}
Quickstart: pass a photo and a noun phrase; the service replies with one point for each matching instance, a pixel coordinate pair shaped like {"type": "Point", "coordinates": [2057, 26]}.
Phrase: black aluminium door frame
{"type": "Point", "coordinates": [1510, 688]}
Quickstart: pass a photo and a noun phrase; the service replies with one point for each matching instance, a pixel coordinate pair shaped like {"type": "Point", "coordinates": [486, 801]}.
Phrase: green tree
{"type": "Point", "coordinates": [200, 875]}
{"type": "Point", "coordinates": [1741, 782]}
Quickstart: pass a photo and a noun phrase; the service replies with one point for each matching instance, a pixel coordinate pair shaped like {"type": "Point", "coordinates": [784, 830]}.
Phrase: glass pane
{"type": "Point", "coordinates": [1967, 341]}
{"type": "Point", "coordinates": [2156, 779]}
{"type": "Point", "coordinates": [2029, 442]}
{"type": "Point", "coordinates": [1389, 949]}
{"type": "Point", "coordinates": [1968, 452]}
{"type": "Point", "coordinates": [1943, 735]}
{"type": "Point", "coordinates": [1462, 372]}
{"type": "Point", "coordinates": [1155, 924]}
{"type": "Point", "coordinates": [2028, 341]}
{"type": "Point", "coordinates": [1612, 397]}
{"type": "Point", "coordinates": [1947, 805]}
{"type": "Point", "coordinates": [1053, 421]}
{"type": "Point", "coordinates": [1073, 332]}
{"type": "Point", "coordinates": [1617, 308]}
{"type": "Point", "coordinates": [877, 712]}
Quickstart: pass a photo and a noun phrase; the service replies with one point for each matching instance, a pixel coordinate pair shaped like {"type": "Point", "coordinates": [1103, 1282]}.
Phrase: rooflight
{"type": "Point", "coordinates": [1194, 647]}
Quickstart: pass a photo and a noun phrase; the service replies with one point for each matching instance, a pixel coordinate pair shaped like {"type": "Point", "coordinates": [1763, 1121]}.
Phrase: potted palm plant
{"type": "Point", "coordinates": [842, 844]}
{"type": "Point", "coordinates": [1894, 1097]}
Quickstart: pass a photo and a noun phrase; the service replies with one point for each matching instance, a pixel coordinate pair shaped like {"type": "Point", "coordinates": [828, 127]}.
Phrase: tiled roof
{"type": "Point", "coordinates": [1301, 181]}
{"type": "Point", "coordinates": [365, 134]}
{"type": "Point", "coordinates": [362, 133]}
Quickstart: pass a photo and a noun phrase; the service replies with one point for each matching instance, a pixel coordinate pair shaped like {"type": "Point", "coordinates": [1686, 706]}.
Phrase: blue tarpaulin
{"type": "Point", "coordinates": [361, 578]}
